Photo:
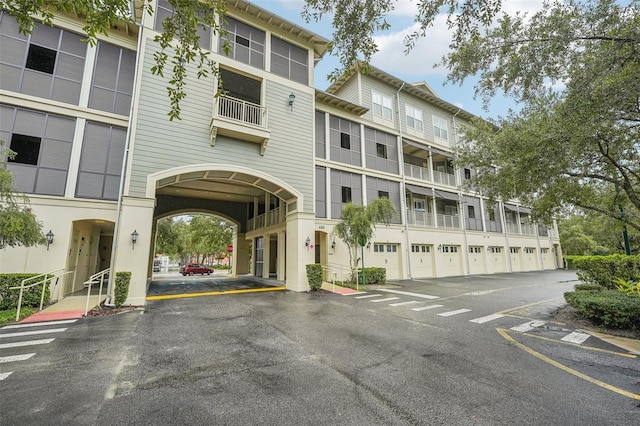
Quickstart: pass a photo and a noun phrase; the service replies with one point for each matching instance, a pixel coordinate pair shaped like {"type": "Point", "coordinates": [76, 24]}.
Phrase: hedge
{"type": "Point", "coordinates": [603, 270]}
{"type": "Point", "coordinates": [314, 275]}
{"type": "Point", "coordinates": [121, 290]}
{"type": "Point", "coordinates": [608, 308]}
{"type": "Point", "coordinates": [373, 275]}
{"type": "Point", "coordinates": [30, 297]}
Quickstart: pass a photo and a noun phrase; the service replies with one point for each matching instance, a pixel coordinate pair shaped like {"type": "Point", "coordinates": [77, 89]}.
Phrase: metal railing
{"type": "Point", "coordinates": [241, 111]}
{"type": "Point", "coordinates": [444, 178]}
{"type": "Point", "coordinates": [417, 217]}
{"type": "Point", "coordinates": [44, 278]}
{"type": "Point", "coordinates": [447, 221]}
{"type": "Point", "coordinates": [96, 278]}
{"type": "Point", "coordinates": [417, 172]}
{"type": "Point", "coordinates": [269, 218]}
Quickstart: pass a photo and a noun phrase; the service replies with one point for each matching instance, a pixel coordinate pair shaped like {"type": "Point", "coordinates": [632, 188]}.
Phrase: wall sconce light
{"type": "Point", "coordinates": [134, 238]}
{"type": "Point", "coordinates": [368, 245]}
{"type": "Point", "coordinates": [333, 245]}
{"type": "Point", "coordinates": [439, 247]}
{"type": "Point", "coordinates": [49, 235]}
{"type": "Point", "coordinates": [292, 98]}
{"type": "Point", "coordinates": [307, 242]}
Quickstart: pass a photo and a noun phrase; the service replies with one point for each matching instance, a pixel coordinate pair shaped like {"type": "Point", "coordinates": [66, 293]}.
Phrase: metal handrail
{"type": "Point", "coordinates": [93, 279]}
{"type": "Point", "coordinates": [54, 274]}
{"type": "Point", "coordinates": [329, 270]}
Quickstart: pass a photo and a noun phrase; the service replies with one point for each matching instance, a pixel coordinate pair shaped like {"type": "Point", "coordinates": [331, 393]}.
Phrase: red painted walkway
{"type": "Point", "coordinates": [52, 316]}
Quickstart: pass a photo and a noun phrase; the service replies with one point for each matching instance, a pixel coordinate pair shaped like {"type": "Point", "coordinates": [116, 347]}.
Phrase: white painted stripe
{"type": "Point", "coordinates": [575, 337]}
{"type": "Point", "coordinates": [424, 308]}
{"type": "Point", "coordinates": [31, 333]}
{"type": "Point", "coordinates": [528, 326]}
{"type": "Point", "coordinates": [406, 293]}
{"type": "Point", "coordinates": [349, 294]}
{"type": "Point", "coordinates": [488, 318]}
{"type": "Point", "coordinates": [26, 343]}
{"type": "Point", "coordinates": [411, 302]}
{"type": "Point", "coordinates": [368, 296]}
{"type": "Point", "coordinates": [40, 324]}
{"type": "Point", "coordinates": [5, 375]}
{"type": "Point", "coordinates": [15, 358]}
{"type": "Point", "coordinates": [388, 299]}
{"type": "Point", "coordinates": [451, 313]}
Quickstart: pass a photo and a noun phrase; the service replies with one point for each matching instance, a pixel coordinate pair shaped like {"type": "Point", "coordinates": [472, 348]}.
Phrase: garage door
{"type": "Point", "coordinates": [477, 264]}
{"type": "Point", "coordinates": [387, 256]}
{"type": "Point", "coordinates": [422, 261]}
{"type": "Point", "coordinates": [496, 260]}
{"type": "Point", "coordinates": [452, 261]}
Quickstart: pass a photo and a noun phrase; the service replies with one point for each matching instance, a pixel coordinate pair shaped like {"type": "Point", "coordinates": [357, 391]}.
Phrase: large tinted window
{"type": "Point", "coordinates": [245, 42]}
{"type": "Point", "coordinates": [112, 85]}
{"type": "Point", "coordinates": [289, 61]}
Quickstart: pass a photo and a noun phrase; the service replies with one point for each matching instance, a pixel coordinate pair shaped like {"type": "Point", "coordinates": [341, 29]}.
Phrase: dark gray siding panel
{"type": "Point", "coordinates": [321, 192]}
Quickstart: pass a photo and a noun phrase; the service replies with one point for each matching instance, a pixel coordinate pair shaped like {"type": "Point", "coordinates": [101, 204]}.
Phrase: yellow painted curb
{"type": "Point", "coordinates": [213, 293]}
{"type": "Point", "coordinates": [562, 367]}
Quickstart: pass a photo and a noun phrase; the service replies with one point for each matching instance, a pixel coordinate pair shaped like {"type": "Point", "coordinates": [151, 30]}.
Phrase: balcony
{"type": "Point", "coordinates": [444, 178]}
{"type": "Point", "coordinates": [239, 119]}
{"type": "Point", "coordinates": [269, 218]}
{"type": "Point", "coordinates": [448, 221]}
{"type": "Point", "coordinates": [420, 218]}
{"type": "Point", "coordinates": [417, 172]}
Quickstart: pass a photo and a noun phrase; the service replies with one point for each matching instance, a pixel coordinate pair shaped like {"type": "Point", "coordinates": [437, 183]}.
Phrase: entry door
{"type": "Point", "coordinates": [259, 252]}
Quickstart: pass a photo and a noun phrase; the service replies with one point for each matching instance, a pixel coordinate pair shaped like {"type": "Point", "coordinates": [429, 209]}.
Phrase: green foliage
{"type": "Point", "coordinates": [357, 224]}
{"type": "Point", "coordinates": [374, 275]}
{"type": "Point", "coordinates": [627, 287]}
{"type": "Point", "coordinates": [603, 270]}
{"type": "Point", "coordinates": [570, 261]}
{"type": "Point", "coordinates": [608, 308]}
{"type": "Point", "coordinates": [30, 297]}
{"type": "Point", "coordinates": [121, 290]}
{"type": "Point", "coordinates": [9, 315]}
{"type": "Point", "coordinates": [590, 232]}
{"type": "Point", "coordinates": [314, 275]}
{"type": "Point", "coordinates": [588, 287]}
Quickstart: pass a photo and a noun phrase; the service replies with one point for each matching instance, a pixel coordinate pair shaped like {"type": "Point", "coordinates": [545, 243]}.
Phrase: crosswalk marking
{"type": "Point", "coordinates": [411, 302]}
{"type": "Point", "coordinates": [488, 318]}
{"type": "Point", "coordinates": [367, 296]}
{"type": "Point", "coordinates": [528, 326]}
{"type": "Point", "coordinates": [40, 324]}
{"type": "Point", "coordinates": [406, 293]}
{"type": "Point", "coordinates": [575, 337]}
{"type": "Point", "coordinates": [388, 299]}
{"type": "Point", "coordinates": [13, 358]}
{"type": "Point", "coordinates": [456, 312]}
{"type": "Point", "coordinates": [31, 333]}
{"type": "Point", "coordinates": [25, 343]}
{"type": "Point", "coordinates": [424, 308]}
{"type": "Point", "coordinates": [5, 375]}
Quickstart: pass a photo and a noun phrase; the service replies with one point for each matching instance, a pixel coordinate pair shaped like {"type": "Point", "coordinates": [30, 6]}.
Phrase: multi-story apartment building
{"type": "Point", "coordinates": [101, 161]}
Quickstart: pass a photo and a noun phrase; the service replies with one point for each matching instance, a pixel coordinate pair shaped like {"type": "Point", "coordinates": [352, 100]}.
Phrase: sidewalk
{"type": "Point", "coordinates": [70, 307]}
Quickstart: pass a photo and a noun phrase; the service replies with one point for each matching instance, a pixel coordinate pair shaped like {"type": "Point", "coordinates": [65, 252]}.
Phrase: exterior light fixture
{"type": "Point", "coordinates": [49, 236]}
{"type": "Point", "coordinates": [307, 242]}
{"type": "Point", "coordinates": [292, 98]}
{"type": "Point", "coordinates": [368, 245]}
{"type": "Point", "coordinates": [333, 245]}
{"type": "Point", "coordinates": [134, 238]}
{"type": "Point", "coordinates": [439, 247]}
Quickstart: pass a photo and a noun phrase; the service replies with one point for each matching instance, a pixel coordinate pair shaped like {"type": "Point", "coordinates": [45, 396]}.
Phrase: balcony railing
{"type": "Point", "coordinates": [420, 218]}
{"type": "Point", "coordinates": [512, 228]}
{"type": "Point", "coordinates": [447, 221]}
{"type": "Point", "coordinates": [528, 229]}
{"type": "Point", "coordinates": [444, 178]}
{"type": "Point", "coordinates": [269, 218]}
{"type": "Point", "coordinates": [417, 172]}
{"type": "Point", "coordinates": [241, 111]}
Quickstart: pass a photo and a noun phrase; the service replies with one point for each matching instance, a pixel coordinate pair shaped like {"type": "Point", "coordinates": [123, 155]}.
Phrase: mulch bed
{"type": "Point", "coordinates": [102, 310]}
{"type": "Point", "coordinates": [569, 316]}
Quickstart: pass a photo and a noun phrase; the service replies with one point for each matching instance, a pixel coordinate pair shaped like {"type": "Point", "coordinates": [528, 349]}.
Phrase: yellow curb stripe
{"type": "Point", "coordinates": [569, 370]}
{"type": "Point", "coordinates": [591, 348]}
{"type": "Point", "coordinates": [213, 293]}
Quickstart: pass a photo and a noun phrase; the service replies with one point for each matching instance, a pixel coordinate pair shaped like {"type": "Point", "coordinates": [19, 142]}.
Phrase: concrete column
{"type": "Point", "coordinates": [282, 256]}
{"type": "Point", "coordinates": [299, 227]}
{"type": "Point", "coordinates": [266, 256]}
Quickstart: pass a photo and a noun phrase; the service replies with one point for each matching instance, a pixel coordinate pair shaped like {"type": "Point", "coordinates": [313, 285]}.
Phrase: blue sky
{"type": "Point", "coordinates": [414, 67]}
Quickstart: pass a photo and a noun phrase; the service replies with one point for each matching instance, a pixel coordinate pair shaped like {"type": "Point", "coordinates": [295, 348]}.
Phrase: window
{"type": "Point", "coordinates": [382, 106]}
{"type": "Point", "coordinates": [449, 249]}
{"type": "Point", "coordinates": [420, 248]}
{"type": "Point", "coordinates": [529, 250]}
{"type": "Point", "coordinates": [475, 249]}
{"type": "Point", "coordinates": [27, 149]}
{"type": "Point", "coordinates": [112, 85]}
{"type": "Point", "coordinates": [514, 249]}
{"type": "Point", "coordinates": [164, 9]}
{"type": "Point", "coordinates": [378, 248]}
{"type": "Point", "coordinates": [346, 194]}
{"type": "Point", "coordinates": [41, 59]}
{"type": "Point", "coordinates": [492, 215]}
{"type": "Point", "coordinates": [450, 210]}
{"type": "Point", "coordinates": [440, 127]}
{"type": "Point", "coordinates": [495, 249]}
{"type": "Point", "coordinates": [414, 118]}
{"type": "Point", "coordinates": [392, 248]}
{"type": "Point", "coordinates": [472, 212]}
{"type": "Point", "coordinates": [467, 174]}
{"type": "Point", "coordinates": [289, 61]}
{"type": "Point", "coordinates": [381, 150]}
{"type": "Point", "coordinates": [345, 140]}
{"type": "Point", "coordinates": [419, 205]}
{"type": "Point", "coordinates": [544, 250]}
{"type": "Point", "coordinates": [246, 43]}
{"type": "Point", "coordinates": [383, 194]}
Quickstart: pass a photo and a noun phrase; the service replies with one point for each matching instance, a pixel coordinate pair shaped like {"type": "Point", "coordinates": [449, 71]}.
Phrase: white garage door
{"type": "Point", "coordinates": [422, 261]}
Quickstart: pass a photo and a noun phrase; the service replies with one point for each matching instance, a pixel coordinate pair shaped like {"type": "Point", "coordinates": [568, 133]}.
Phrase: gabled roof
{"type": "Point", "coordinates": [334, 101]}
{"type": "Point", "coordinates": [274, 21]}
{"type": "Point", "coordinates": [415, 90]}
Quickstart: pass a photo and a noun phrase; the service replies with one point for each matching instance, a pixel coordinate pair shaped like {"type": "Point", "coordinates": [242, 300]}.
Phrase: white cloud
{"type": "Point", "coordinates": [405, 8]}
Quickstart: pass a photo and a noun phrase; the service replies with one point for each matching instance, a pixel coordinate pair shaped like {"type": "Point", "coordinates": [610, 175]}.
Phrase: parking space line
{"type": "Point", "coordinates": [456, 312]}
{"type": "Point", "coordinates": [410, 302]}
{"type": "Point", "coordinates": [25, 343]}
{"type": "Point", "coordinates": [5, 375]}
{"type": "Point", "coordinates": [368, 296]}
{"type": "Point", "coordinates": [388, 299]}
{"type": "Point", "coordinates": [31, 333]}
{"type": "Point", "coordinates": [407, 293]}
{"type": "Point", "coordinates": [424, 308]}
{"type": "Point", "coordinates": [40, 324]}
{"type": "Point", "coordinates": [488, 318]}
{"type": "Point", "coordinates": [13, 358]}
{"type": "Point", "coordinates": [575, 337]}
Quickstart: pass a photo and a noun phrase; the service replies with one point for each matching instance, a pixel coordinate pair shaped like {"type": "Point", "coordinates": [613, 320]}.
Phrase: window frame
{"type": "Point", "coordinates": [440, 127]}
{"type": "Point", "coordinates": [410, 113]}
{"type": "Point", "coordinates": [382, 106]}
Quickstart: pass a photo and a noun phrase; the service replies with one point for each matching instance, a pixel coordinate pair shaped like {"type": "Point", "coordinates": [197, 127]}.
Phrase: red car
{"type": "Point", "coordinates": [194, 268]}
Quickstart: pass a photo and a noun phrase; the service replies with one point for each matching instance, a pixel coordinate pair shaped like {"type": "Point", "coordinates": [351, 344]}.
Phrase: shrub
{"type": "Point", "coordinates": [374, 275]}
{"type": "Point", "coordinates": [608, 308]}
{"type": "Point", "coordinates": [627, 287]}
{"type": "Point", "coordinates": [588, 287]}
{"type": "Point", "coordinates": [30, 297]}
{"type": "Point", "coordinates": [121, 290]}
{"type": "Point", "coordinates": [314, 275]}
{"type": "Point", "coordinates": [603, 270]}
{"type": "Point", "coordinates": [570, 261]}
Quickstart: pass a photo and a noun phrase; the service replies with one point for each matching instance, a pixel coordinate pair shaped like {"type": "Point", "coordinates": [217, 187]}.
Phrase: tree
{"type": "Point", "coordinates": [573, 67]}
{"type": "Point", "coordinates": [209, 236]}
{"type": "Point", "coordinates": [18, 225]}
{"type": "Point", "coordinates": [357, 224]}
{"type": "Point", "coordinates": [179, 41]}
